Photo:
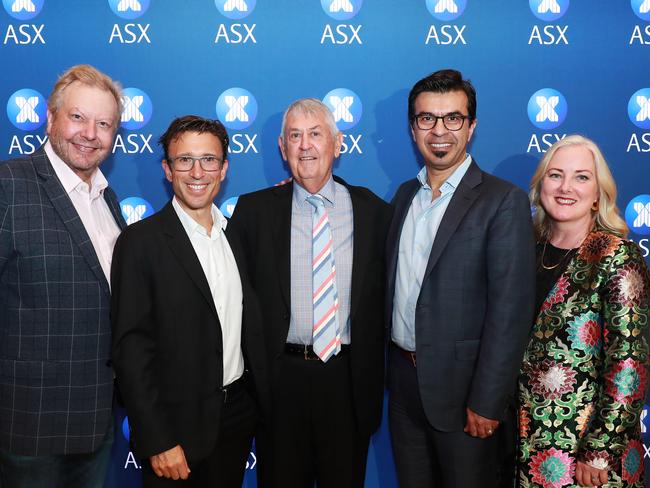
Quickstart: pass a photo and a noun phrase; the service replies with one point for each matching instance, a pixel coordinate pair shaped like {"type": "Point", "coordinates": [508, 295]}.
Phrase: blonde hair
{"type": "Point", "coordinates": [607, 217]}
{"type": "Point", "coordinates": [90, 76]}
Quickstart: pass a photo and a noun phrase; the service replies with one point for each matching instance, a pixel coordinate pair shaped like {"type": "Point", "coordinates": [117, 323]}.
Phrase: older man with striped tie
{"type": "Point", "coordinates": [315, 252]}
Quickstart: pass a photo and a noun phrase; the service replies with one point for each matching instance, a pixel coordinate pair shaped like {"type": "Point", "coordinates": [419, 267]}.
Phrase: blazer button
{"type": "Point", "coordinates": [285, 316]}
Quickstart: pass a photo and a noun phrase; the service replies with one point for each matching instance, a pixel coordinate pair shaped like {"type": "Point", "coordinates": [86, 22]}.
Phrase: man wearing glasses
{"type": "Point", "coordinates": [460, 297]}
{"type": "Point", "coordinates": [186, 325]}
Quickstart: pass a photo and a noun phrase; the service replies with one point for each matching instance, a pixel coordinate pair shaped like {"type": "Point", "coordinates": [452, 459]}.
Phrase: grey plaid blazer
{"type": "Point", "coordinates": [56, 381]}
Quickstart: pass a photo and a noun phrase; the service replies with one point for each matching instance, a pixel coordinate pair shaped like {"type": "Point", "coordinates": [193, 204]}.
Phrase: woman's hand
{"type": "Point", "coordinates": [589, 476]}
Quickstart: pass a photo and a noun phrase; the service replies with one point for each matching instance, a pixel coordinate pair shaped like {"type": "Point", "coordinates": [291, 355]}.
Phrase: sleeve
{"type": "Point", "coordinates": [134, 347]}
{"type": "Point", "coordinates": [614, 429]}
{"type": "Point", "coordinates": [510, 301]}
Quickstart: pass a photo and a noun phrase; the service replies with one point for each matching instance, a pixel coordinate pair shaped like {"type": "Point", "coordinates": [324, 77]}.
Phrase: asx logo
{"type": "Point", "coordinates": [135, 209]}
{"type": "Point", "coordinates": [228, 207]}
{"type": "Point", "coordinates": [548, 10]}
{"type": "Point", "coordinates": [236, 108]}
{"type": "Point", "coordinates": [129, 9]}
{"type": "Point", "coordinates": [641, 8]}
{"type": "Point", "coordinates": [137, 109]}
{"type": "Point", "coordinates": [346, 107]}
{"type": "Point", "coordinates": [235, 9]}
{"type": "Point", "coordinates": [446, 10]}
{"type": "Point", "coordinates": [23, 9]}
{"type": "Point", "coordinates": [637, 214]}
{"type": "Point", "coordinates": [27, 109]}
{"type": "Point", "coordinates": [547, 108]}
{"type": "Point", "coordinates": [638, 108]}
{"type": "Point", "coordinates": [341, 9]}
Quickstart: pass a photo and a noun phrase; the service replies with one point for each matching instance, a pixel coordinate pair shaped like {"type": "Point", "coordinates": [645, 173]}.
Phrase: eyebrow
{"type": "Point", "coordinates": [578, 171]}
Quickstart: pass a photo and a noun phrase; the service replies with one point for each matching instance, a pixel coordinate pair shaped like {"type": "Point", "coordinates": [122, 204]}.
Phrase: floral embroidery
{"type": "Point", "coordinates": [551, 380]}
{"type": "Point", "coordinates": [597, 459]}
{"type": "Point", "coordinates": [627, 381]}
{"type": "Point", "coordinates": [584, 418]}
{"type": "Point", "coordinates": [552, 468]}
{"type": "Point", "coordinates": [557, 293]}
{"type": "Point", "coordinates": [524, 423]}
{"type": "Point", "coordinates": [597, 246]}
{"type": "Point", "coordinates": [584, 333]}
{"type": "Point", "coordinates": [628, 286]}
{"type": "Point", "coordinates": [632, 462]}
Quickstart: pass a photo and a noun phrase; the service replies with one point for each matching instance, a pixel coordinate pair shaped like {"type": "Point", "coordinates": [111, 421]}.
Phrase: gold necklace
{"type": "Point", "coordinates": [541, 261]}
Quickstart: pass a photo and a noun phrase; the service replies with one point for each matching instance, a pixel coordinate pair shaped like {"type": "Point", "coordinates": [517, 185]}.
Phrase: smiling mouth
{"type": "Point", "coordinates": [196, 187]}
{"type": "Point", "coordinates": [306, 158]}
{"type": "Point", "coordinates": [83, 148]}
{"type": "Point", "coordinates": [565, 201]}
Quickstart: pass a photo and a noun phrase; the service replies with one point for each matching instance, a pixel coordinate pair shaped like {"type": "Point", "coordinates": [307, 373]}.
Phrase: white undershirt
{"type": "Point", "coordinates": [91, 207]}
{"type": "Point", "coordinates": [220, 269]}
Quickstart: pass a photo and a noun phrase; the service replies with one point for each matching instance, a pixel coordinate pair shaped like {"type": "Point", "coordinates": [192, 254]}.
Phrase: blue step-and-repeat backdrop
{"type": "Point", "coordinates": [542, 69]}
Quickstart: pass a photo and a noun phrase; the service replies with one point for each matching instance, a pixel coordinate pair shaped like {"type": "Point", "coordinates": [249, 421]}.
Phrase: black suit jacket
{"type": "Point", "coordinates": [263, 221]}
{"type": "Point", "coordinates": [475, 308]}
{"type": "Point", "coordinates": [167, 346]}
{"type": "Point", "coordinates": [56, 382]}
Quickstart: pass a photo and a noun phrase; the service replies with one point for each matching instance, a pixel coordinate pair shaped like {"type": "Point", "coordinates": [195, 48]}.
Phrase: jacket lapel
{"type": "Point", "coordinates": [461, 201]}
{"type": "Point", "coordinates": [282, 238]}
{"type": "Point", "coordinates": [63, 205]}
{"type": "Point", "coordinates": [181, 247]}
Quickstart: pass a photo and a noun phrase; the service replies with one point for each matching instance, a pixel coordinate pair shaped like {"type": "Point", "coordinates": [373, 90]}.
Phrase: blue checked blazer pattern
{"type": "Point", "coordinates": [56, 381]}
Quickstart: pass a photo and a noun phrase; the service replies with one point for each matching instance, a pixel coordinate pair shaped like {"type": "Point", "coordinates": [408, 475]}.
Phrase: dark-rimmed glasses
{"type": "Point", "coordinates": [452, 121]}
{"type": "Point", "coordinates": [186, 162]}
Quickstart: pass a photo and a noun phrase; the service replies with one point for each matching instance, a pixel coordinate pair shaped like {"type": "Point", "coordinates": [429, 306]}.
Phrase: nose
{"type": "Point", "coordinates": [89, 130]}
{"type": "Point", "coordinates": [197, 171]}
{"type": "Point", "coordinates": [305, 143]}
{"type": "Point", "coordinates": [439, 127]}
{"type": "Point", "coordinates": [566, 186]}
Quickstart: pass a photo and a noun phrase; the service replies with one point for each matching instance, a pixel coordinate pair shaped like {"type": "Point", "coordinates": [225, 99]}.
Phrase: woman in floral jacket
{"type": "Point", "coordinates": [585, 372]}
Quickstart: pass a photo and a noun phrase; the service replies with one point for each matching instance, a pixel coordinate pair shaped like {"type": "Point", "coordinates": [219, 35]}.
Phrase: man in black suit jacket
{"type": "Point", "coordinates": [460, 295]}
{"type": "Point", "coordinates": [58, 223]}
{"type": "Point", "coordinates": [324, 409]}
{"type": "Point", "coordinates": [187, 341]}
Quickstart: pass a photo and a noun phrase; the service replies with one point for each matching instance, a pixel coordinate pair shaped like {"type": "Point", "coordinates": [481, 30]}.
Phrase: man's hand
{"type": "Point", "coordinates": [171, 464]}
{"type": "Point", "coordinates": [589, 476]}
{"type": "Point", "coordinates": [478, 426]}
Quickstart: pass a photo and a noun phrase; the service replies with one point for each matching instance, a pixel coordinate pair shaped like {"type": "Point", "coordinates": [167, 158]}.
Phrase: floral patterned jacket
{"type": "Point", "coordinates": [585, 371]}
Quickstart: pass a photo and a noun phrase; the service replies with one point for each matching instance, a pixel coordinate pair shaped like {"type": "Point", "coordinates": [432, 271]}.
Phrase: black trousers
{"type": "Point", "coordinates": [226, 464]}
{"type": "Point", "coordinates": [428, 457]}
{"type": "Point", "coordinates": [313, 434]}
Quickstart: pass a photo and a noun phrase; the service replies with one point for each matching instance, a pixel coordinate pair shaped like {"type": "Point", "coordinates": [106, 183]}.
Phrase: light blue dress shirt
{"type": "Point", "coordinates": [418, 233]}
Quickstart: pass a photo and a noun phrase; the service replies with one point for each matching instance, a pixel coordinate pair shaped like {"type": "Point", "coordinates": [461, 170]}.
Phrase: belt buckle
{"type": "Point", "coordinates": [306, 352]}
{"type": "Point", "coordinates": [412, 357]}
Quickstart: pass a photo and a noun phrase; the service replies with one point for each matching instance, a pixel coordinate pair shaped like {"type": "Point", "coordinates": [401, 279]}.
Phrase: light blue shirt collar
{"type": "Point", "coordinates": [452, 181]}
{"type": "Point", "coordinates": [328, 192]}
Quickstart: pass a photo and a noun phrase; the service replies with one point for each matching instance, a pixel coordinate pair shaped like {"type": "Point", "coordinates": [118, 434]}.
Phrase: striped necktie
{"type": "Point", "coordinates": [326, 334]}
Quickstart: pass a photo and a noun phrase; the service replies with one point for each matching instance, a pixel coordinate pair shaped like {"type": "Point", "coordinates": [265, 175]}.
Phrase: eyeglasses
{"type": "Point", "coordinates": [453, 121]}
{"type": "Point", "coordinates": [186, 163]}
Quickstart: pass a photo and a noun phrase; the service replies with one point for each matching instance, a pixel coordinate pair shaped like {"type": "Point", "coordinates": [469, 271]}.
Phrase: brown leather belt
{"type": "Point", "coordinates": [410, 356]}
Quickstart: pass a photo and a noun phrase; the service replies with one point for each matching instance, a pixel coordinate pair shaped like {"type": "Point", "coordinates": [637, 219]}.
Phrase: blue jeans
{"type": "Point", "coordinates": [59, 471]}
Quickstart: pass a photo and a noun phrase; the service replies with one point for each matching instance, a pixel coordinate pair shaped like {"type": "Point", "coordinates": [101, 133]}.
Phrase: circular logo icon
{"type": "Point", "coordinates": [547, 108]}
{"type": "Point", "coordinates": [27, 109]}
{"type": "Point", "coordinates": [23, 9]}
{"type": "Point", "coordinates": [135, 209]}
{"type": "Point", "coordinates": [236, 108]}
{"type": "Point", "coordinates": [228, 207]}
{"type": "Point", "coordinates": [129, 9]}
{"type": "Point", "coordinates": [446, 10]}
{"type": "Point", "coordinates": [641, 8]}
{"type": "Point", "coordinates": [235, 9]}
{"type": "Point", "coordinates": [341, 9]}
{"type": "Point", "coordinates": [638, 108]}
{"type": "Point", "coordinates": [548, 10]}
{"type": "Point", "coordinates": [137, 109]}
{"type": "Point", "coordinates": [346, 107]}
{"type": "Point", "coordinates": [637, 214]}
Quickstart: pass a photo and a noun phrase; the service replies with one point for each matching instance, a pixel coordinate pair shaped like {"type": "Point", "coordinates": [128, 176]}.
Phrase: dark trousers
{"type": "Point", "coordinates": [313, 435]}
{"type": "Point", "coordinates": [226, 464]}
{"type": "Point", "coordinates": [428, 457]}
{"type": "Point", "coordinates": [59, 471]}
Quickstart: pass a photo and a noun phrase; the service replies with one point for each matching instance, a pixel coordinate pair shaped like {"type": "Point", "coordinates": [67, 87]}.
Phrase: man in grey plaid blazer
{"type": "Point", "coordinates": [58, 223]}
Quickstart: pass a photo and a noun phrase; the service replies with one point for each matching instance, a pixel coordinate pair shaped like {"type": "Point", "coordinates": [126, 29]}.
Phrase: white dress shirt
{"type": "Point", "coordinates": [220, 269]}
{"type": "Point", "coordinates": [93, 210]}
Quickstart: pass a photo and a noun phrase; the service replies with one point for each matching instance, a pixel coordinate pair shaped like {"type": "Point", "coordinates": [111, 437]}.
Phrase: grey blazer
{"type": "Point", "coordinates": [56, 380]}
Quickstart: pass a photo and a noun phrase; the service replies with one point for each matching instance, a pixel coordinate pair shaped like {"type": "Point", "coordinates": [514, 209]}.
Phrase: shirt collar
{"type": "Point", "coordinates": [454, 178]}
{"type": "Point", "coordinates": [191, 226]}
{"type": "Point", "coordinates": [328, 192]}
{"type": "Point", "coordinates": [69, 179]}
